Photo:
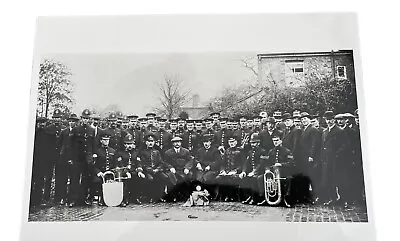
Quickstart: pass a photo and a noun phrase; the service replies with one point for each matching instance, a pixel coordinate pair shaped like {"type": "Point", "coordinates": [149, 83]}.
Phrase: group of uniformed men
{"type": "Point", "coordinates": [162, 160]}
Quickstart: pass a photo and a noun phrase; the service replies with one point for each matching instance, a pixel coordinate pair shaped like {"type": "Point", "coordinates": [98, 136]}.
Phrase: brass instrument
{"type": "Point", "coordinates": [272, 186]}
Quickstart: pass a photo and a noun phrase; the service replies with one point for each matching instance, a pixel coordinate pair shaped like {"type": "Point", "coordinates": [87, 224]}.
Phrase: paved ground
{"type": "Point", "coordinates": [217, 211]}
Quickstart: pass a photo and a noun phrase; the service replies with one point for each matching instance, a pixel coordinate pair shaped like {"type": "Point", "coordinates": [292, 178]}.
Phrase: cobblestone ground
{"type": "Point", "coordinates": [217, 211]}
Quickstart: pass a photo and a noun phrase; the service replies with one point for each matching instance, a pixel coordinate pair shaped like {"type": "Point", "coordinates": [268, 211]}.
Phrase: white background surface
{"type": "Point", "coordinates": [379, 52]}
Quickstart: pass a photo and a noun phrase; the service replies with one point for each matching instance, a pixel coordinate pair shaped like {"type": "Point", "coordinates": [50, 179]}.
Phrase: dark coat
{"type": "Point", "coordinates": [309, 143]}
{"type": "Point", "coordinates": [232, 160]}
{"type": "Point", "coordinates": [253, 160]}
{"type": "Point", "coordinates": [151, 160]}
{"type": "Point", "coordinates": [117, 137]}
{"type": "Point", "coordinates": [178, 160]}
{"type": "Point", "coordinates": [52, 133]}
{"type": "Point", "coordinates": [189, 140]}
{"type": "Point", "coordinates": [82, 143]}
{"type": "Point", "coordinates": [210, 157]}
{"type": "Point", "coordinates": [291, 140]}
{"type": "Point", "coordinates": [282, 155]}
{"type": "Point", "coordinates": [333, 152]}
{"type": "Point", "coordinates": [64, 145]}
{"type": "Point", "coordinates": [221, 138]}
{"type": "Point", "coordinates": [164, 140]}
{"type": "Point", "coordinates": [103, 160]}
{"type": "Point", "coordinates": [129, 160]}
{"type": "Point", "coordinates": [266, 140]}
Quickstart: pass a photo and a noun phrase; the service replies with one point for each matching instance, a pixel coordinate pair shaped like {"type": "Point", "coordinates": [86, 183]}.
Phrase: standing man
{"type": "Point", "coordinates": [63, 166]}
{"type": "Point", "coordinates": [308, 162]}
{"type": "Point", "coordinates": [134, 132]}
{"type": "Point", "coordinates": [333, 151]}
{"type": "Point", "coordinates": [266, 135]}
{"type": "Point", "coordinates": [209, 132]}
{"type": "Point", "coordinates": [116, 134]}
{"type": "Point", "coordinates": [39, 153]}
{"type": "Point", "coordinates": [189, 137]}
{"type": "Point", "coordinates": [82, 144]}
{"type": "Point", "coordinates": [163, 137]}
{"type": "Point", "coordinates": [174, 127]}
{"type": "Point", "coordinates": [150, 122]}
{"type": "Point", "coordinates": [243, 133]}
{"type": "Point", "coordinates": [221, 136]}
{"type": "Point", "coordinates": [52, 155]}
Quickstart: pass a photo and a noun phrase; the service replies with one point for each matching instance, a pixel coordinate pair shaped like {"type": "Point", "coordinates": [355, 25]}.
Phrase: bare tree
{"type": "Point", "coordinates": [172, 96]}
{"type": "Point", "coordinates": [55, 87]}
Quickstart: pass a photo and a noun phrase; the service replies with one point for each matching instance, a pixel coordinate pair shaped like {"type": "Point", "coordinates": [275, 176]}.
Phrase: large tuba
{"type": "Point", "coordinates": [272, 186]}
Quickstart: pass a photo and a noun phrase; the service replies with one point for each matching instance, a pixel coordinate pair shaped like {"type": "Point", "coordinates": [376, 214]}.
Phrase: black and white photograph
{"type": "Point", "coordinates": [210, 136]}
{"type": "Point", "coordinates": [174, 133]}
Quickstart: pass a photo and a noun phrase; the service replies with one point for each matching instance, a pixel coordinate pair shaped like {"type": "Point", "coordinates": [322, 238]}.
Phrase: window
{"type": "Point", "coordinates": [341, 72]}
{"type": "Point", "coordinates": [295, 66]}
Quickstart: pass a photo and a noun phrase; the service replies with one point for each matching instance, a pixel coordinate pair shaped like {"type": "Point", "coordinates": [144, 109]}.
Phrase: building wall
{"type": "Point", "coordinates": [318, 67]}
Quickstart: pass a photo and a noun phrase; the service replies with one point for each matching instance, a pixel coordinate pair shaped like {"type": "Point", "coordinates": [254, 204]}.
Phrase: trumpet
{"type": "Point", "coordinates": [272, 186]}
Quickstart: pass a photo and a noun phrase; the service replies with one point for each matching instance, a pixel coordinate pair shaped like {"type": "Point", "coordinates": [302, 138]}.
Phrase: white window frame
{"type": "Point", "coordinates": [291, 63]}
{"type": "Point", "coordinates": [345, 72]}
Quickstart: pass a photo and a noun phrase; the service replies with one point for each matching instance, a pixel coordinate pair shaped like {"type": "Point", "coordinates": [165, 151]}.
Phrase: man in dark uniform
{"type": "Point", "coordinates": [248, 176]}
{"type": "Point", "coordinates": [257, 124]}
{"type": "Point", "coordinates": [103, 161]}
{"type": "Point", "coordinates": [198, 142]}
{"type": "Point", "coordinates": [358, 174]}
{"type": "Point", "coordinates": [134, 132]}
{"type": "Point", "coordinates": [180, 163]}
{"type": "Point", "coordinates": [278, 120]}
{"type": "Point", "coordinates": [291, 134]}
{"type": "Point", "coordinates": [215, 116]}
{"type": "Point", "coordinates": [333, 151]}
{"type": "Point", "coordinates": [181, 127]}
{"type": "Point", "coordinates": [221, 136]}
{"type": "Point", "coordinates": [153, 166]}
{"type": "Point", "coordinates": [209, 132]}
{"type": "Point", "coordinates": [264, 118]}
{"type": "Point", "coordinates": [117, 135]}
{"type": "Point", "coordinates": [52, 155]}
{"type": "Point", "coordinates": [189, 137]}
{"type": "Point", "coordinates": [82, 144]}
{"type": "Point", "coordinates": [150, 123]}
{"type": "Point", "coordinates": [243, 133]}
{"type": "Point", "coordinates": [128, 164]}
{"type": "Point", "coordinates": [282, 158]}
{"type": "Point", "coordinates": [229, 169]}
{"type": "Point", "coordinates": [173, 127]}
{"type": "Point", "coordinates": [266, 135]}
{"type": "Point", "coordinates": [63, 165]}
{"type": "Point", "coordinates": [163, 138]}
{"type": "Point", "coordinates": [207, 160]}
{"type": "Point", "coordinates": [39, 153]}
{"type": "Point", "coordinates": [308, 164]}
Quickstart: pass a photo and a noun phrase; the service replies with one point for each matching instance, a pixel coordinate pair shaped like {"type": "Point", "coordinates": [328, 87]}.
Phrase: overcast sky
{"type": "Point", "coordinates": [130, 80]}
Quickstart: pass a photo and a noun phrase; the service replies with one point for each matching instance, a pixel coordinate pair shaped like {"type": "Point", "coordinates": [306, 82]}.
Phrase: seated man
{"type": "Point", "coordinates": [156, 179]}
{"type": "Point", "coordinates": [128, 166]}
{"type": "Point", "coordinates": [250, 171]}
{"type": "Point", "coordinates": [180, 163]}
{"type": "Point", "coordinates": [228, 177]}
{"type": "Point", "coordinates": [282, 158]}
{"type": "Point", "coordinates": [207, 160]}
{"type": "Point", "coordinates": [103, 161]}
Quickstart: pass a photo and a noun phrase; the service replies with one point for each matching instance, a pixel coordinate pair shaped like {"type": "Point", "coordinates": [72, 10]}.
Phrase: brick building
{"type": "Point", "coordinates": [292, 69]}
{"type": "Point", "coordinates": [195, 110]}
